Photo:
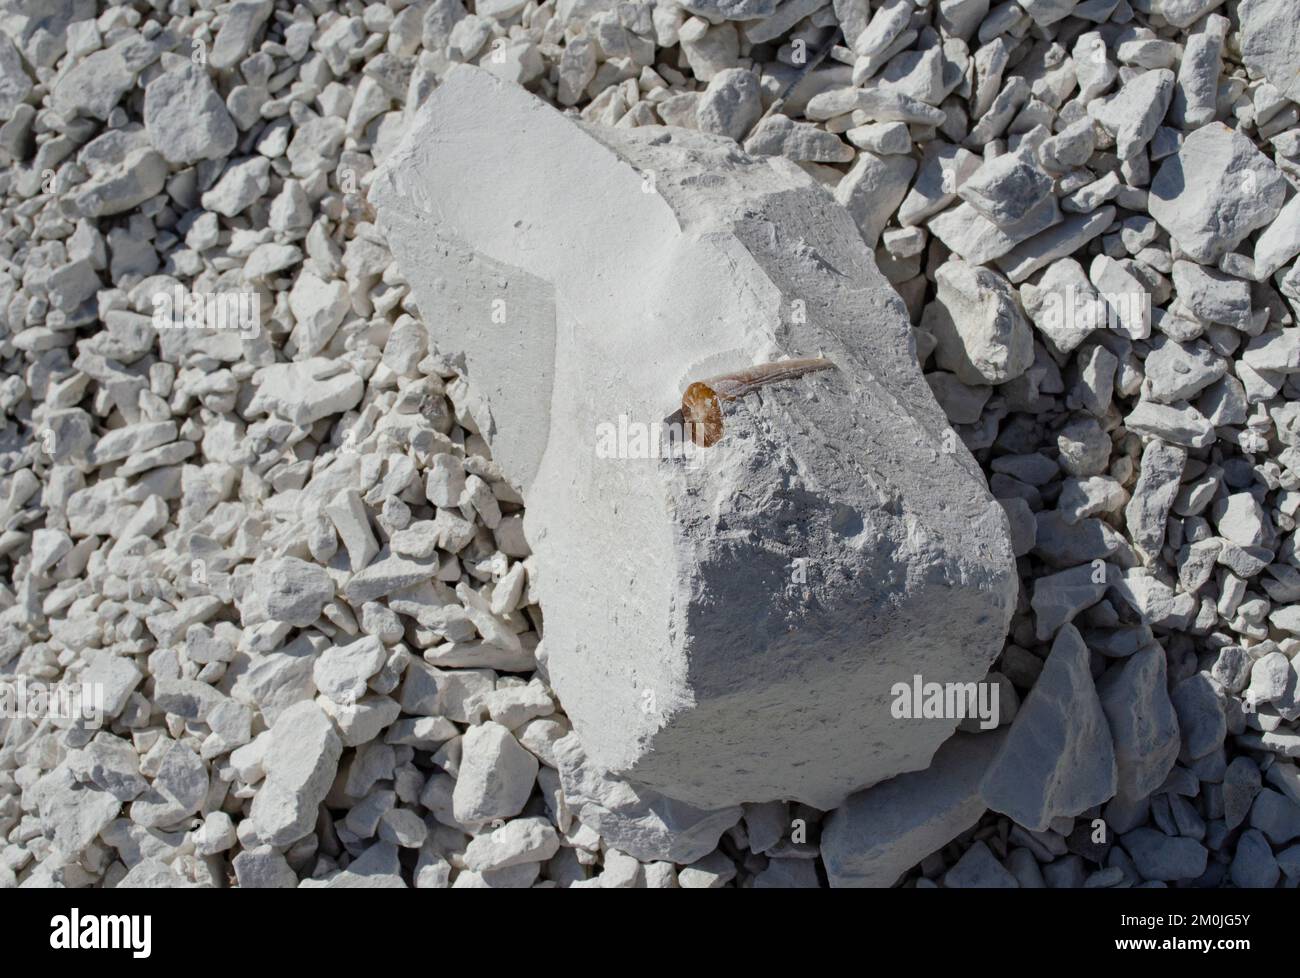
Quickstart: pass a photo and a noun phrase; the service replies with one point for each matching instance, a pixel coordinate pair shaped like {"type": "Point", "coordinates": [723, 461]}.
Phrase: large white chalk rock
{"type": "Point", "coordinates": [724, 627]}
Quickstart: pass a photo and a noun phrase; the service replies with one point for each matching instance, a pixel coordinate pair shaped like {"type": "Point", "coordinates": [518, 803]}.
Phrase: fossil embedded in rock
{"type": "Point", "coordinates": [703, 400]}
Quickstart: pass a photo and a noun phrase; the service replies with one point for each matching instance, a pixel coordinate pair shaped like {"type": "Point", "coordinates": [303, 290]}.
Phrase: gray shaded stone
{"type": "Point", "coordinates": [1161, 857]}
{"type": "Point", "coordinates": [286, 589]}
{"type": "Point", "coordinates": [1132, 114]}
{"type": "Point", "coordinates": [1059, 597]}
{"type": "Point", "coordinates": [1179, 423]}
{"type": "Point", "coordinates": [240, 23]}
{"type": "Point", "coordinates": [1058, 759]}
{"type": "Point", "coordinates": [1214, 191]}
{"type": "Point", "coordinates": [177, 790]}
{"type": "Point", "coordinates": [341, 671]}
{"type": "Point", "coordinates": [878, 834]}
{"type": "Point", "coordinates": [788, 874]}
{"type": "Point", "coordinates": [306, 391]}
{"type": "Point", "coordinates": [1199, 704]}
{"type": "Point", "coordinates": [766, 824]}
{"type": "Point", "coordinates": [496, 775]}
{"type": "Point", "coordinates": [635, 819]}
{"type": "Point", "coordinates": [186, 118]}
{"type": "Point", "coordinates": [1241, 783]}
{"type": "Point", "coordinates": [872, 190]}
{"type": "Point", "coordinates": [1143, 724]}
{"type": "Point", "coordinates": [1006, 189]}
{"type": "Point", "coordinates": [1276, 815]}
{"type": "Point", "coordinates": [122, 185]}
{"type": "Point", "coordinates": [1179, 371]}
{"type": "Point", "coordinates": [978, 869]}
{"type": "Point", "coordinates": [72, 813]}
{"type": "Point", "coordinates": [378, 868]}
{"type": "Point", "coordinates": [15, 84]}
{"type": "Point", "coordinates": [779, 135]}
{"type": "Point", "coordinates": [263, 868]}
{"type": "Point", "coordinates": [242, 183]}
{"type": "Point", "coordinates": [731, 104]}
{"type": "Point", "coordinates": [1253, 865]}
{"type": "Point", "coordinates": [1270, 43]}
{"type": "Point", "coordinates": [983, 336]}
{"type": "Point", "coordinates": [300, 764]}
{"type": "Point", "coordinates": [521, 840]}
{"type": "Point", "coordinates": [1158, 482]}
{"type": "Point", "coordinates": [94, 85]}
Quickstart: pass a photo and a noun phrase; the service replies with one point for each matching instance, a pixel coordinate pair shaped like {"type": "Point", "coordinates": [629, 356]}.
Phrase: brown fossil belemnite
{"type": "Point", "coordinates": [702, 402]}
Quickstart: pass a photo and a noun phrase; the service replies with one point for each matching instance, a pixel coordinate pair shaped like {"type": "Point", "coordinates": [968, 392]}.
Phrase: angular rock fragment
{"type": "Point", "coordinates": [1143, 724]}
{"type": "Point", "coordinates": [1048, 12]}
{"type": "Point", "coordinates": [1132, 114]}
{"type": "Point", "coordinates": [1199, 703]}
{"type": "Point", "coordinates": [123, 184]}
{"type": "Point", "coordinates": [1253, 865]}
{"type": "Point", "coordinates": [1063, 305]}
{"type": "Point", "coordinates": [186, 118]}
{"type": "Point", "coordinates": [1214, 191]}
{"type": "Point", "coordinates": [306, 391]}
{"type": "Point", "coordinates": [1158, 482]}
{"type": "Point", "coordinates": [982, 333]}
{"type": "Point", "coordinates": [1058, 758]}
{"type": "Point", "coordinates": [1006, 189]}
{"type": "Point", "coordinates": [15, 85]}
{"type": "Point", "coordinates": [1161, 857]}
{"type": "Point", "coordinates": [1056, 242]}
{"type": "Point", "coordinates": [944, 168]}
{"type": "Point", "coordinates": [93, 85]}
{"type": "Point", "coordinates": [286, 589]}
{"type": "Point", "coordinates": [300, 766]}
{"type": "Point", "coordinates": [670, 705]}
{"type": "Point", "coordinates": [979, 869]}
{"type": "Point", "coordinates": [1270, 43]}
{"type": "Point", "coordinates": [378, 868]}
{"type": "Point", "coordinates": [730, 105]}
{"type": "Point", "coordinates": [496, 775]}
{"type": "Point", "coordinates": [342, 670]}
{"type": "Point", "coordinates": [179, 787]}
{"type": "Point", "coordinates": [519, 841]}
{"type": "Point", "coordinates": [1179, 424]}
{"type": "Point", "coordinates": [633, 818]}
{"type": "Point", "coordinates": [240, 23]}
{"type": "Point", "coordinates": [877, 834]}
{"type": "Point", "coordinates": [74, 813]}
{"type": "Point", "coordinates": [778, 135]}
{"type": "Point", "coordinates": [1183, 13]}
{"type": "Point", "coordinates": [1276, 816]}
{"type": "Point", "coordinates": [1280, 241]}
{"type": "Point", "coordinates": [1057, 598]}
{"type": "Point", "coordinates": [872, 189]}
{"type": "Point", "coordinates": [978, 240]}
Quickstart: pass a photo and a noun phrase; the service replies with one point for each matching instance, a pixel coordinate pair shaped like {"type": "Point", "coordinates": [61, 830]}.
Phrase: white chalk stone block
{"type": "Point", "coordinates": [726, 626]}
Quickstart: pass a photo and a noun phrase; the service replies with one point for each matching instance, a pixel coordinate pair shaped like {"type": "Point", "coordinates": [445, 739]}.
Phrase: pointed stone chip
{"type": "Point", "coordinates": [1058, 759]}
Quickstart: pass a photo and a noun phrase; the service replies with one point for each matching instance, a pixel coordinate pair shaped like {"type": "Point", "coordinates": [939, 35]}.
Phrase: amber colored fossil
{"type": "Point", "coordinates": [703, 400]}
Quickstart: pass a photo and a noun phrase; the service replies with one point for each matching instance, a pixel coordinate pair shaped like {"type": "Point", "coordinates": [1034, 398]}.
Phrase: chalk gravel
{"type": "Point", "coordinates": [281, 550]}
